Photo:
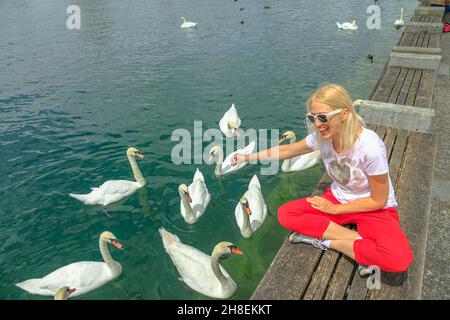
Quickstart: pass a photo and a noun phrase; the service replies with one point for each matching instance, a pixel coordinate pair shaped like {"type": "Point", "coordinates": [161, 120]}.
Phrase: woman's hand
{"type": "Point", "coordinates": [322, 204]}
{"type": "Point", "coordinates": [238, 158]}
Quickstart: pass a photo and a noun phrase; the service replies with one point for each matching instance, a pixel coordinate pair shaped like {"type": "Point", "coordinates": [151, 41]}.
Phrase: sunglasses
{"type": "Point", "coordinates": [323, 117]}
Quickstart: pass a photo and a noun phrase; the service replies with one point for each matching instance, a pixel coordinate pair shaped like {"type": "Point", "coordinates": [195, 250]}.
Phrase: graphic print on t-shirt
{"type": "Point", "coordinates": [340, 171]}
{"type": "Point", "coordinates": [343, 169]}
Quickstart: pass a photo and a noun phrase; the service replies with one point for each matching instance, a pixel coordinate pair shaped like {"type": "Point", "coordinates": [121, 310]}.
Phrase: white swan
{"type": "Point", "coordinates": [85, 276]}
{"type": "Point", "coordinates": [347, 25]}
{"type": "Point", "coordinates": [298, 163]}
{"type": "Point", "coordinates": [224, 166]}
{"type": "Point", "coordinates": [230, 123]}
{"type": "Point", "coordinates": [115, 190]}
{"type": "Point", "coordinates": [194, 199]}
{"type": "Point", "coordinates": [188, 24]}
{"type": "Point", "coordinates": [251, 211]}
{"type": "Point", "coordinates": [64, 293]}
{"type": "Point", "coordinates": [199, 271]}
{"type": "Point", "coordinates": [398, 23]}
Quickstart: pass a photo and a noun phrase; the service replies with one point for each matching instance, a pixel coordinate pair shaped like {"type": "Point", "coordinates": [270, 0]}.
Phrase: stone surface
{"type": "Point", "coordinates": [414, 60]}
{"type": "Point", "coordinates": [397, 116]}
{"type": "Point", "coordinates": [436, 282]}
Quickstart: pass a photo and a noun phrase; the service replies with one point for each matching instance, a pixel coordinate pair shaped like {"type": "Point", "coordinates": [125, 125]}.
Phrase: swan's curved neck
{"type": "Point", "coordinates": [218, 170]}
{"type": "Point", "coordinates": [186, 205]}
{"type": "Point", "coordinates": [246, 229]}
{"type": "Point", "coordinates": [107, 256]}
{"type": "Point", "coordinates": [286, 166]}
{"type": "Point", "coordinates": [136, 172]}
{"type": "Point", "coordinates": [215, 268]}
{"type": "Point", "coordinates": [401, 15]}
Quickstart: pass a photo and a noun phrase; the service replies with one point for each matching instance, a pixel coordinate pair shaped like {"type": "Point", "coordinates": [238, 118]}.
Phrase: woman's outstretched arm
{"type": "Point", "coordinates": [276, 153]}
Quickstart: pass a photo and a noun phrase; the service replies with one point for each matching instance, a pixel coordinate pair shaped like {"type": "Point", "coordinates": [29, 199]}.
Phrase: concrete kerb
{"type": "Point", "coordinates": [417, 50]}
{"type": "Point", "coordinates": [429, 11]}
{"type": "Point", "coordinates": [414, 60]}
{"type": "Point", "coordinates": [397, 116]}
{"type": "Point", "coordinates": [424, 27]}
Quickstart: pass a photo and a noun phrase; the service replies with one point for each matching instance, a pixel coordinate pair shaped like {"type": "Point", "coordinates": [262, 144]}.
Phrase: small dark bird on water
{"type": "Point", "coordinates": [241, 9]}
{"type": "Point", "coordinates": [370, 57]}
{"type": "Point", "coordinates": [242, 22]}
{"type": "Point", "coordinates": [266, 7]}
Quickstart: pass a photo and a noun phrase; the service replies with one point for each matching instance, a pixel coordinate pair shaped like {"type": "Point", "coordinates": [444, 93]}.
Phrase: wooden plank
{"type": "Point", "coordinates": [434, 40]}
{"type": "Point", "coordinates": [389, 139]}
{"type": "Point", "coordinates": [406, 39]}
{"type": "Point", "coordinates": [425, 89]}
{"type": "Point", "coordinates": [380, 79]}
{"type": "Point", "coordinates": [397, 155]}
{"type": "Point", "coordinates": [398, 85]}
{"type": "Point", "coordinates": [340, 280]}
{"type": "Point", "coordinates": [420, 39]}
{"type": "Point", "coordinates": [358, 288]}
{"type": "Point", "coordinates": [413, 89]}
{"type": "Point", "coordinates": [414, 196]}
{"type": "Point", "coordinates": [414, 39]}
{"type": "Point", "coordinates": [381, 131]}
{"type": "Point", "coordinates": [426, 41]}
{"type": "Point", "coordinates": [290, 272]}
{"type": "Point", "coordinates": [401, 99]}
{"type": "Point", "coordinates": [319, 281]}
{"type": "Point", "coordinates": [385, 88]}
{"type": "Point", "coordinates": [435, 19]}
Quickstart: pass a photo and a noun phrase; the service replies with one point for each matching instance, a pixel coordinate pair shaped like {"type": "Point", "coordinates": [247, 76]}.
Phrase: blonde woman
{"type": "Point", "coordinates": [361, 192]}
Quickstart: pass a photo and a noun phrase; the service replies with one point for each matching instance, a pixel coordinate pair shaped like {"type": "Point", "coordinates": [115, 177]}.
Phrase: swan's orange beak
{"type": "Point", "coordinates": [236, 251]}
{"type": "Point", "coordinates": [247, 210]}
{"type": "Point", "coordinates": [71, 290]}
{"type": "Point", "coordinates": [283, 139]}
{"type": "Point", "coordinates": [188, 197]}
{"type": "Point", "coordinates": [139, 155]}
{"type": "Point", "coordinates": [117, 244]}
{"type": "Point", "coordinates": [237, 133]}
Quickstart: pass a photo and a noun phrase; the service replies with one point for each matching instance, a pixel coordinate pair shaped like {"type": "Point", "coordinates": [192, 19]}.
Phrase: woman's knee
{"type": "Point", "coordinates": [397, 261]}
{"type": "Point", "coordinates": [387, 258]}
{"type": "Point", "coordinates": [284, 213]}
{"type": "Point", "coordinates": [400, 261]}
{"type": "Point", "coordinates": [290, 212]}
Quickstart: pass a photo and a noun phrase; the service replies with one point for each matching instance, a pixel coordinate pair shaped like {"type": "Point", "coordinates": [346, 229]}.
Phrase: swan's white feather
{"type": "Point", "coordinates": [257, 206]}
{"type": "Point", "coordinates": [230, 115]}
{"type": "Point", "coordinates": [194, 267]}
{"type": "Point", "coordinates": [200, 198]}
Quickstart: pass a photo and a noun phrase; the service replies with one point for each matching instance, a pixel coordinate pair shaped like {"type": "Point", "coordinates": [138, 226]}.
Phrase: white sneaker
{"type": "Point", "coordinates": [364, 270]}
{"type": "Point", "coordinates": [300, 238]}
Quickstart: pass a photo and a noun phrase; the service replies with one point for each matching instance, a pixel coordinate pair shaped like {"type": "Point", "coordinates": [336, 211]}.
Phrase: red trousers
{"type": "Point", "coordinates": [383, 242]}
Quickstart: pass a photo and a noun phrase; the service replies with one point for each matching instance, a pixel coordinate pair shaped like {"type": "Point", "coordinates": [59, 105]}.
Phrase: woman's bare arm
{"type": "Point", "coordinates": [276, 153]}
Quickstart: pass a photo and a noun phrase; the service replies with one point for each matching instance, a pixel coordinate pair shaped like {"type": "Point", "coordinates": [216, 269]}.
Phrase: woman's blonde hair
{"type": "Point", "coordinates": [337, 97]}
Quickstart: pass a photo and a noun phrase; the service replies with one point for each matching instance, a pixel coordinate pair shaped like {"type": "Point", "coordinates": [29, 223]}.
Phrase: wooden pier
{"type": "Point", "coordinates": [399, 110]}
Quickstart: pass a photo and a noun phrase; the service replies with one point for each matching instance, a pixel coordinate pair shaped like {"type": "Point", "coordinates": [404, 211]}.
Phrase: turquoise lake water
{"type": "Point", "coordinates": [73, 101]}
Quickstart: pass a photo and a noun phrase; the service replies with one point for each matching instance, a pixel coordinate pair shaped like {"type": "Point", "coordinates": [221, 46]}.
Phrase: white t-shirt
{"type": "Point", "coordinates": [350, 170]}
